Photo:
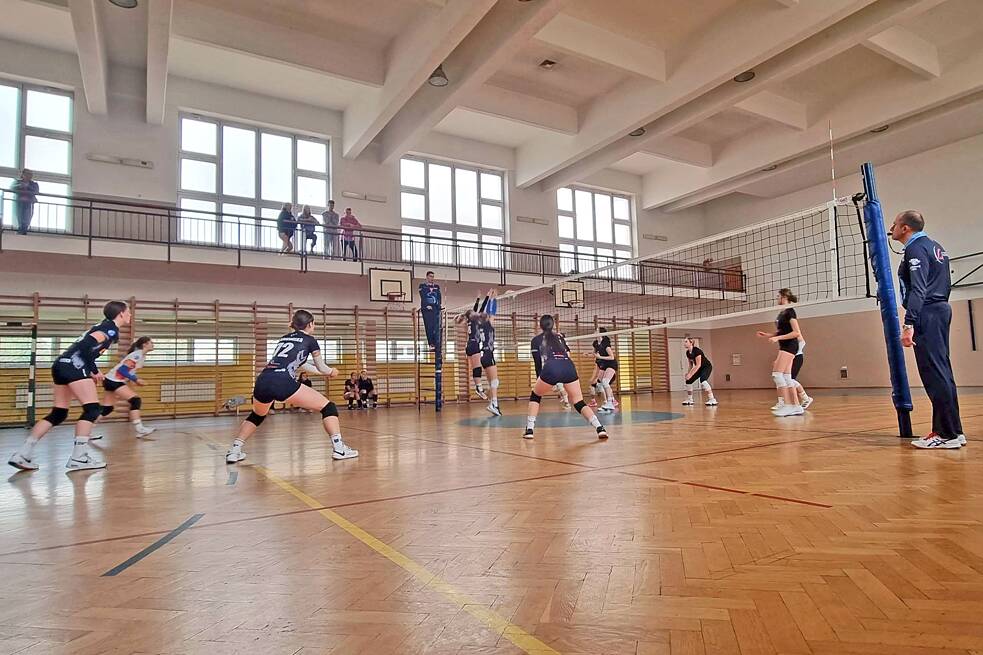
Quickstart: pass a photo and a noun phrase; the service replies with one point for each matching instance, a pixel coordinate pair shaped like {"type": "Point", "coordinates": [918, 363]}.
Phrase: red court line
{"type": "Point", "coordinates": [505, 452]}
{"type": "Point", "coordinates": [728, 490]}
{"type": "Point", "coordinates": [793, 500]}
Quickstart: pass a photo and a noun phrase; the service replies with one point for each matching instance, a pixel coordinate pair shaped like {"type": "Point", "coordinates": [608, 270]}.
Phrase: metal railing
{"type": "Point", "coordinates": [95, 219]}
{"type": "Point", "coordinates": [961, 275]}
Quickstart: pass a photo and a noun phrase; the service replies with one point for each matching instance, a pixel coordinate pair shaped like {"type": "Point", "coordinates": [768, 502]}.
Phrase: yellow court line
{"type": "Point", "coordinates": [493, 620]}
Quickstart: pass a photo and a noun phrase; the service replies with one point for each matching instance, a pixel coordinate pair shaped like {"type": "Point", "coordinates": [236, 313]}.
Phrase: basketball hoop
{"type": "Point", "coordinates": [395, 299]}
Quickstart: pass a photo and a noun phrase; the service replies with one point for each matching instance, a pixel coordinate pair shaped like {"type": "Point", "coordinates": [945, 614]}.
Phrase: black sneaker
{"type": "Point", "coordinates": [527, 434]}
{"type": "Point", "coordinates": [602, 433]}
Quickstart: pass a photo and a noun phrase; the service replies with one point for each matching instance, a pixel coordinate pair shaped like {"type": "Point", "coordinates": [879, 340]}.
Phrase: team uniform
{"type": "Point", "coordinates": [278, 381]}
{"type": "Point", "coordinates": [601, 347]}
{"type": "Point", "coordinates": [124, 372]}
{"type": "Point", "coordinates": [553, 365]}
{"type": "Point", "coordinates": [703, 374]}
{"type": "Point", "coordinates": [783, 325]}
{"type": "Point", "coordinates": [486, 339]}
{"type": "Point", "coordinates": [799, 359]}
{"type": "Point", "coordinates": [78, 362]}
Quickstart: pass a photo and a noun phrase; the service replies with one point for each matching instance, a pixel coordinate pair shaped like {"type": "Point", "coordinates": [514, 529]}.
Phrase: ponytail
{"type": "Point", "coordinates": [547, 324]}
{"type": "Point", "coordinates": [138, 344]}
{"type": "Point", "coordinates": [788, 295]}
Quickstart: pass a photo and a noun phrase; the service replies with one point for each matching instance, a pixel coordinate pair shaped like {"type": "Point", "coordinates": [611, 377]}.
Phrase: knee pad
{"type": "Point", "coordinates": [579, 406]}
{"type": "Point", "coordinates": [135, 403]}
{"type": "Point", "coordinates": [255, 419]}
{"type": "Point", "coordinates": [788, 379]}
{"type": "Point", "coordinates": [705, 385]}
{"type": "Point", "coordinates": [106, 410]}
{"type": "Point", "coordinates": [476, 372]}
{"type": "Point", "coordinates": [57, 415]}
{"type": "Point", "coordinates": [605, 385]}
{"type": "Point", "coordinates": [329, 410]}
{"type": "Point", "coordinates": [495, 383]}
{"type": "Point", "coordinates": [535, 397]}
{"type": "Point", "coordinates": [90, 412]}
{"type": "Point", "coordinates": [779, 379]}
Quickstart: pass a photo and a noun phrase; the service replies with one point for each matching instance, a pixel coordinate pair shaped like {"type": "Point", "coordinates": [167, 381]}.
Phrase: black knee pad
{"type": "Point", "coordinates": [579, 406]}
{"type": "Point", "coordinates": [135, 403]}
{"type": "Point", "coordinates": [90, 412]}
{"type": "Point", "coordinates": [535, 397]}
{"type": "Point", "coordinates": [106, 410]}
{"type": "Point", "coordinates": [57, 416]}
{"type": "Point", "coordinates": [476, 372]}
{"type": "Point", "coordinates": [255, 419]}
{"type": "Point", "coordinates": [329, 410]}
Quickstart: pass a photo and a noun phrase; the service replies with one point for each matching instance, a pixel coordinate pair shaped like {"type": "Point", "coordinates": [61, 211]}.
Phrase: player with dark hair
{"type": "Point", "coordinates": [699, 370]}
{"type": "Point", "coordinates": [486, 337]}
{"type": "Point", "coordinates": [75, 375]}
{"type": "Point", "coordinates": [607, 365]}
{"type": "Point", "coordinates": [551, 356]}
{"type": "Point", "coordinates": [278, 382]}
{"type": "Point", "coordinates": [472, 347]}
{"type": "Point", "coordinates": [116, 389]}
{"type": "Point", "coordinates": [786, 335]}
{"type": "Point", "coordinates": [804, 399]}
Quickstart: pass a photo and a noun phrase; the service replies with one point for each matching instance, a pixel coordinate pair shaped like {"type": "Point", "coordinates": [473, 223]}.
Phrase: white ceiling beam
{"type": "Point", "coordinates": [93, 64]}
{"type": "Point", "coordinates": [679, 149]}
{"type": "Point", "coordinates": [493, 42]}
{"type": "Point", "coordinates": [159, 13]}
{"type": "Point", "coordinates": [829, 42]}
{"type": "Point", "coordinates": [589, 41]}
{"type": "Point", "coordinates": [738, 40]}
{"type": "Point", "coordinates": [413, 58]}
{"type": "Point", "coordinates": [334, 56]}
{"type": "Point", "coordinates": [775, 108]}
{"type": "Point", "coordinates": [886, 101]}
{"type": "Point", "coordinates": [529, 110]}
{"type": "Point", "coordinates": [907, 49]}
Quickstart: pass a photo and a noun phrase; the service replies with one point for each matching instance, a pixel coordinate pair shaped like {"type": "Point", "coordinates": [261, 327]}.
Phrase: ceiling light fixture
{"type": "Point", "coordinates": [547, 64]}
{"type": "Point", "coordinates": [746, 76]}
{"type": "Point", "coordinates": [639, 132]}
{"type": "Point", "coordinates": [768, 169]}
{"type": "Point", "coordinates": [882, 128]}
{"type": "Point", "coordinates": [125, 4]}
{"type": "Point", "coordinates": [438, 78]}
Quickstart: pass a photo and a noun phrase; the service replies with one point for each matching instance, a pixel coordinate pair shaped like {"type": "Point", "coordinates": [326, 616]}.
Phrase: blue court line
{"type": "Point", "coordinates": [233, 476]}
{"type": "Point", "coordinates": [119, 568]}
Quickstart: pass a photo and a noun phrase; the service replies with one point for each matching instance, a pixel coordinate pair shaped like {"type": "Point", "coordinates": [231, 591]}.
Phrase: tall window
{"type": "Point", "coordinates": [240, 172]}
{"type": "Point", "coordinates": [595, 229]}
{"type": "Point", "coordinates": [450, 201]}
{"type": "Point", "coordinates": [36, 133]}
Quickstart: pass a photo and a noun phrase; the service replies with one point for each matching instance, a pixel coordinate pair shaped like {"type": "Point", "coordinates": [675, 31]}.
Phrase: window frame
{"type": "Point", "coordinates": [219, 198]}
{"type": "Point", "coordinates": [20, 145]}
{"type": "Point", "coordinates": [451, 253]}
{"type": "Point", "coordinates": [578, 250]}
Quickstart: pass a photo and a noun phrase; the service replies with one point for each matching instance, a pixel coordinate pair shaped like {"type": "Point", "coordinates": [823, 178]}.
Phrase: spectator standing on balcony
{"type": "Point", "coordinates": [309, 224]}
{"type": "Point", "coordinates": [25, 196]}
{"type": "Point", "coordinates": [286, 225]}
{"type": "Point", "coordinates": [430, 309]}
{"type": "Point", "coordinates": [332, 244]}
{"type": "Point", "coordinates": [348, 225]}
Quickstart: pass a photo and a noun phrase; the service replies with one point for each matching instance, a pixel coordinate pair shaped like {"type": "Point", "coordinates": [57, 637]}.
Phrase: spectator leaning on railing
{"type": "Point", "coordinates": [307, 222]}
{"type": "Point", "coordinates": [348, 225]}
{"type": "Point", "coordinates": [25, 196]}
{"type": "Point", "coordinates": [332, 243]}
{"type": "Point", "coordinates": [286, 225]}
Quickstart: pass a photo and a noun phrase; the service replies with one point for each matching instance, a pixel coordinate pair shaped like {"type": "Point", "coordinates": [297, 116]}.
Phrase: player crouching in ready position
{"type": "Point", "coordinates": [278, 382]}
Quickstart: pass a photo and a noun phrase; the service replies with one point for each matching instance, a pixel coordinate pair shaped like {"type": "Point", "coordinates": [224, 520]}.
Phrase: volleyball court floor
{"type": "Point", "coordinates": [692, 530]}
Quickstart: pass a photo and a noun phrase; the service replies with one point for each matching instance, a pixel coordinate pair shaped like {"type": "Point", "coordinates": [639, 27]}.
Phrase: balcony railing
{"type": "Point", "coordinates": [967, 270]}
{"type": "Point", "coordinates": [106, 220]}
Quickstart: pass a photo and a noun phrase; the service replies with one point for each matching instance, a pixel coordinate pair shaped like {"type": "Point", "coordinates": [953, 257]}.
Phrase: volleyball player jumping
{"type": "Point", "coordinates": [554, 366]}
{"type": "Point", "coordinates": [699, 369]}
{"type": "Point", "coordinates": [278, 382]}
{"type": "Point", "coordinates": [75, 375]}
{"type": "Point", "coordinates": [486, 337]}
{"type": "Point", "coordinates": [786, 336]}
{"type": "Point", "coordinates": [607, 365]}
{"type": "Point", "coordinates": [472, 348]}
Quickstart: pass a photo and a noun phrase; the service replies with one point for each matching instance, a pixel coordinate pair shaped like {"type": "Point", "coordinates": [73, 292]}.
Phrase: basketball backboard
{"type": "Point", "coordinates": [385, 282]}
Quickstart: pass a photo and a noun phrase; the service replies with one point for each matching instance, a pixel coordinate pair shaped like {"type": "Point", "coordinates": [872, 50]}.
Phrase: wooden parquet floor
{"type": "Point", "coordinates": [723, 532]}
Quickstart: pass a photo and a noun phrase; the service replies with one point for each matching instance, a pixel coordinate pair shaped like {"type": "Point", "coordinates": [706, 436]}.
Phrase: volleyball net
{"type": "Point", "coordinates": [819, 253]}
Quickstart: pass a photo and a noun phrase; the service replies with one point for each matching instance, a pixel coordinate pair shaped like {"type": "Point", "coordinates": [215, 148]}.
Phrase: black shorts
{"type": "Point", "coordinates": [488, 359]}
{"type": "Point", "coordinates": [797, 366]}
{"type": "Point", "coordinates": [789, 345]}
{"type": "Point", "coordinates": [560, 371]}
{"type": "Point", "coordinates": [112, 385]}
{"type": "Point", "coordinates": [472, 348]}
{"type": "Point", "coordinates": [606, 364]}
{"type": "Point", "coordinates": [702, 375]}
{"type": "Point", "coordinates": [274, 386]}
{"type": "Point", "coordinates": [63, 373]}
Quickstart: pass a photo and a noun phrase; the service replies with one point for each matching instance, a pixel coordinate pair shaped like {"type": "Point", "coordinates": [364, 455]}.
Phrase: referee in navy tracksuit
{"type": "Point", "coordinates": [430, 301]}
{"type": "Point", "coordinates": [925, 284]}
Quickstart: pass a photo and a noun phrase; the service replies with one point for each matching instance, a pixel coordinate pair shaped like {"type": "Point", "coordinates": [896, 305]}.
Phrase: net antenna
{"type": "Point", "coordinates": [818, 252]}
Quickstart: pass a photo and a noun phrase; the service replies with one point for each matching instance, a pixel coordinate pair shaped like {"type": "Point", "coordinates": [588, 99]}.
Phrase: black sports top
{"type": "Point", "coordinates": [784, 321]}
{"type": "Point", "coordinates": [291, 352]}
{"type": "Point", "coordinates": [84, 352]}
{"type": "Point", "coordinates": [696, 352]}
{"type": "Point", "coordinates": [543, 352]}
{"type": "Point", "coordinates": [601, 348]}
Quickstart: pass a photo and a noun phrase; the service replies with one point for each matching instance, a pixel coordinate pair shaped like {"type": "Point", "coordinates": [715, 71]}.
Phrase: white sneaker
{"type": "Point", "coordinates": [481, 393]}
{"type": "Point", "coordinates": [937, 442]}
{"type": "Point", "coordinates": [790, 410]}
{"type": "Point", "coordinates": [143, 430]}
{"type": "Point", "coordinates": [234, 456]}
{"type": "Point", "coordinates": [806, 402]}
{"type": "Point", "coordinates": [96, 436]}
{"type": "Point", "coordinates": [18, 461]}
{"type": "Point", "coordinates": [777, 406]}
{"type": "Point", "coordinates": [961, 439]}
{"type": "Point", "coordinates": [606, 408]}
{"type": "Point", "coordinates": [711, 403]}
{"type": "Point", "coordinates": [688, 402]}
{"type": "Point", "coordinates": [565, 404]}
{"type": "Point", "coordinates": [85, 462]}
{"type": "Point", "coordinates": [494, 409]}
{"type": "Point", "coordinates": [346, 452]}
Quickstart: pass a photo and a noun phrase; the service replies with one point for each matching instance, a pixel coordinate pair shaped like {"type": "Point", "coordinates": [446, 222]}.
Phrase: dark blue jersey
{"type": "Point", "coordinates": [543, 351]}
{"type": "Point", "coordinates": [486, 335]}
{"type": "Point", "coordinates": [84, 352]}
{"type": "Point", "coordinates": [924, 276]}
{"type": "Point", "coordinates": [473, 331]}
{"type": "Point", "coordinates": [291, 352]}
{"type": "Point", "coordinates": [430, 297]}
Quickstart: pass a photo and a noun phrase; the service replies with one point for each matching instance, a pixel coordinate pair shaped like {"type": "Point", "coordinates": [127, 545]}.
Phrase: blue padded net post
{"type": "Point", "coordinates": [881, 265]}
